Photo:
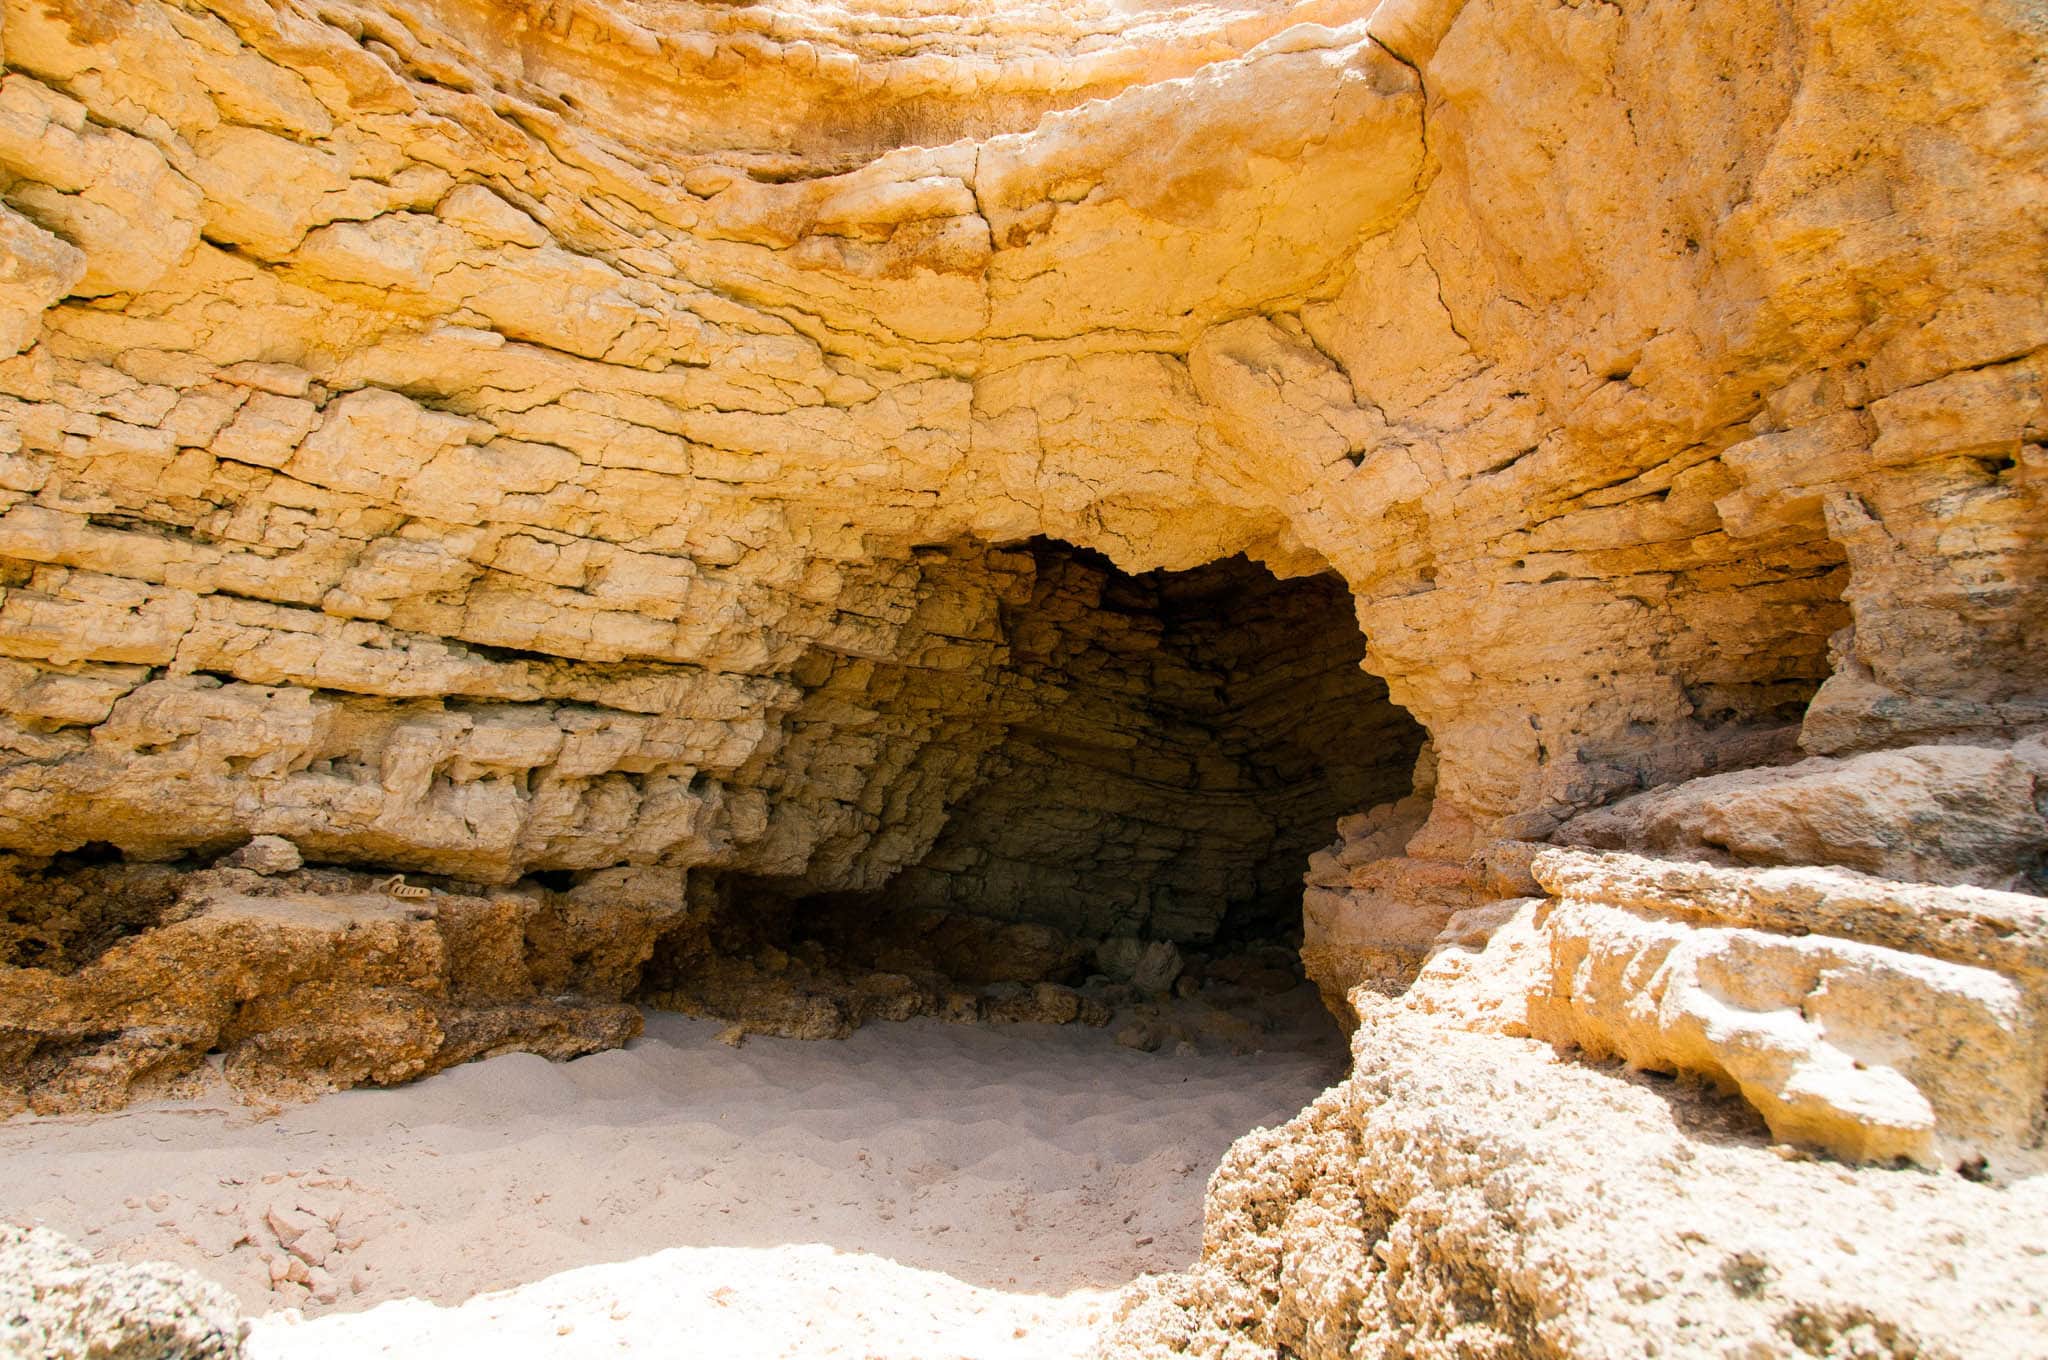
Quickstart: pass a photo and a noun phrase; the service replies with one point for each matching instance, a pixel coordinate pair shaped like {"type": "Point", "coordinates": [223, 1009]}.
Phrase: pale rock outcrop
{"type": "Point", "coordinates": [1955, 814]}
{"type": "Point", "coordinates": [1482, 1183]}
{"type": "Point", "coordinates": [56, 1304]}
{"type": "Point", "coordinates": [1874, 1019]}
{"type": "Point", "coordinates": [1927, 814]}
{"type": "Point", "coordinates": [1808, 1029]}
{"type": "Point", "coordinates": [1468, 1193]}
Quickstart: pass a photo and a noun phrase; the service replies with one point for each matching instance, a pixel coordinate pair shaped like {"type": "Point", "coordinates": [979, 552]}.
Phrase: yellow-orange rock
{"type": "Point", "coordinates": [1616, 360]}
{"type": "Point", "coordinates": [487, 442]}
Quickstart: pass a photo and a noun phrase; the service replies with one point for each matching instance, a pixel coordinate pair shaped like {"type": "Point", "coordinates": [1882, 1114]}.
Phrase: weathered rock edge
{"type": "Point", "coordinates": [1468, 1194]}
{"type": "Point", "coordinates": [55, 1304]}
{"type": "Point", "coordinates": [315, 981]}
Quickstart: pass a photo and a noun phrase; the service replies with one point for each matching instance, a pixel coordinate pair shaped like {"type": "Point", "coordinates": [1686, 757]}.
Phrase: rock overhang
{"type": "Point", "coordinates": [494, 448]}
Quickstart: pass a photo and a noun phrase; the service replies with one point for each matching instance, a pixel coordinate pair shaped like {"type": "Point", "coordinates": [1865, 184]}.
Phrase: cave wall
{"type": "Point", "coordinates": [491, 440]}
{"type": "Point", "coordinates": [1174, 745]}
{"type": "Point", "coordinates": [417, 455]}
{"type": "Point", "coordinates": [484, 443]}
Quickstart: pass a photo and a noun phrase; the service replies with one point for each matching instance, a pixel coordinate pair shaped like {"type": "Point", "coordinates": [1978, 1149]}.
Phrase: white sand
{"type": "Point", "coordinates": [920, 1189]}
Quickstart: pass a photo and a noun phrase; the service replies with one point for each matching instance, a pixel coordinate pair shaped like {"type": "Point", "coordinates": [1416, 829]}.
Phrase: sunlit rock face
{"type": "Point", "coordinates": [486, 417]}
{"type": "Point", "coordinates": [504, 510]}
{"type": "Point", "coordinates": [513, 446]}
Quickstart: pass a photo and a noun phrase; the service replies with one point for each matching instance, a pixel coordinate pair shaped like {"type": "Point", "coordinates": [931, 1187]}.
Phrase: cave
{"type": "Point", "coordinates": [550, 552]}
{"type": "Point", "coordinates": [1139, 760]}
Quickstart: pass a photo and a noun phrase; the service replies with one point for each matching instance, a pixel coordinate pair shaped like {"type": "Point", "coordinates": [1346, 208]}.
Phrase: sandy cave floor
{"type": "Point", "coordinates": [921, 1189]}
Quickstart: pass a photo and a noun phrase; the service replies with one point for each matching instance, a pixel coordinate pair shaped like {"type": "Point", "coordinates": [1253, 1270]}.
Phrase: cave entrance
{"type": "Point", "coordinates": [1156, 757]}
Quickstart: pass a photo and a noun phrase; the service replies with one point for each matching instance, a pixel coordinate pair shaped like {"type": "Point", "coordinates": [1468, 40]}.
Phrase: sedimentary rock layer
{"type": "Point", "coordinates": [554, 450]}
{"type": "Point", "coordinates": [465, 441]}
{"type": "Point", "coordinates": [306, 982]}
{"type": "Point", "coordinates": [1157, 755]}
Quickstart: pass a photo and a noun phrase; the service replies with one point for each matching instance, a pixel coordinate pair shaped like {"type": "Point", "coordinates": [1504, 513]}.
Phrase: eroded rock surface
{"type": "Point", "coordinates": [482, 466]}
{"type": "Point", "coordinates": [1925, 814]}
{"type": "Point", "coordinates": [1467, 1193]}
{"type": "Point", "coordinates": [1866, 1017]}
{"type": "Point", "coordinates": [312, 981]}
{"type": "Point", "coordinates": [1487, 1182]}
{"type": "Point", "coordinates": [56, 1304]}
{"type": "Point", "coordinates": [1660, 1105]}
{"type": "Point", "coordinates": [560, 451]}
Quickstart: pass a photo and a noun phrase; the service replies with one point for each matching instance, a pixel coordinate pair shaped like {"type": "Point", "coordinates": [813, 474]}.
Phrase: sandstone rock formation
{"type": "Point", "coordinates": [1926, 814]}
{"type": "Point", "coordinates": [1469, 1194]}
{"type": "Point", "coordinates": [307, 982]}
{"type": "Point", "coordinates": [489, 465]}
{"type": "Point", "coordinates": [1680, 968]}
{"type": "Point", "coordinates": [918, 472]}
{"type": "Point", "coordinates": [1484, 1183]}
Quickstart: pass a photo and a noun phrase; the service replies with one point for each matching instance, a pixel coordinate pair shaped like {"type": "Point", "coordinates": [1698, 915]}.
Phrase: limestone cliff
{"type": "Point", "coordinates": [553, 449]}
{"type": "Point", "coordinates": [484, 442]}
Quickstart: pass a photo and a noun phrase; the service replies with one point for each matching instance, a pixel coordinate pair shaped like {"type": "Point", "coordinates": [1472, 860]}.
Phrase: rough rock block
{"type": "Point", "coordinates": [1929, 814]}
{"type": "Point", "coordinates": [1868, 1052]}
{"type": "Point", "coordinates": [36, 269]}
{"type": "Point", "coordinates": [1379, 925]}
{"type": "Point", "coordinates": [307, 983]}
{"type": "Point", "coordinates": [1891, 1021]}
{"type": "Point", "coordinates": [1468, 1194]}
{"type": "Point", "coordinates": [55, 1304]}
{"type": "Point", "coordinates": [265, 855]}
